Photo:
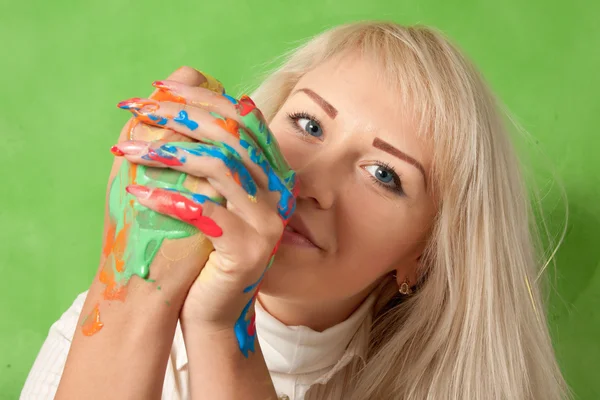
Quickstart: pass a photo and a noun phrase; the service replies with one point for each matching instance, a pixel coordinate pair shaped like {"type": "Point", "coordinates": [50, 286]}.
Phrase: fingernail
{"type": "Point", "coordinates": [160, 85]}
{"type": "Point", "coordinates": [116, 151]}
{"type": "Point", "coordinates": [130, 147]}
{"type": "Point", "coordinates": [126, 104]}
{"type": "Point", "coordinates": [246, 99]}
{"type": "Point", "coordinates": [141, 192]}
{"type": "Point", "coordinates": [245, 105]}
{"type": "Point", "coordinates": [137, 103]}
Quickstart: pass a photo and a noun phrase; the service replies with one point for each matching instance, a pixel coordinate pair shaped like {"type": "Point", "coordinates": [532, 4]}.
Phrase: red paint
{"type": "Point", "coordinates": [171, 161]}
{"type": "Point", "coordinates": [116, 151]}
{"type": "Point", "coordinates": [245, 105]}
{"type": "Point", "coordinates": [177, 206]}
{"type": "Point", "coordinates": [252, 326]}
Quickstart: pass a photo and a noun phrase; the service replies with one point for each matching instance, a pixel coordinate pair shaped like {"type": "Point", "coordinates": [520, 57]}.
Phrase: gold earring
{"type": "Point", "coordinates": [405, 288]}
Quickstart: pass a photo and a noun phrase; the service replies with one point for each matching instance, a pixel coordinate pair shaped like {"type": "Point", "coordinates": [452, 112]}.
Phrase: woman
{"type": "Point", "coordinates": [406, 271]}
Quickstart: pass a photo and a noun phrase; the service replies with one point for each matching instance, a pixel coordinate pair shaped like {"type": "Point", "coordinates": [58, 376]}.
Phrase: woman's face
{"type": "Point", "coordinates": [363, 193]}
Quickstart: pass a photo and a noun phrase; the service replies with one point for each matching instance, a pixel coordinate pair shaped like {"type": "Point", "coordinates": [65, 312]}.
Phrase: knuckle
{"type": "Point", "coordinates": [213, 167]}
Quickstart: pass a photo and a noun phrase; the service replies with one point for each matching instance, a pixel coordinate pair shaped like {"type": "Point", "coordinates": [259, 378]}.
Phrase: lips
{"type": "Point", "coordinates": [297, 226]}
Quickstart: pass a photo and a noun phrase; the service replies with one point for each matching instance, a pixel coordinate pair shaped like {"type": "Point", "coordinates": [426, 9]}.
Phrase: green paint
{"type": "Point", "coordinates": [158, 288]}
{"type": "Point", "coordinates": [269, 147]}
{"type": "Point", "coordinates": [147, 228]}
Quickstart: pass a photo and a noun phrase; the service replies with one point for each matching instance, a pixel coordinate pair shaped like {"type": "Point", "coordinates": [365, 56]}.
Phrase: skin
{"type": "Point", "coordinates": [365, 231]}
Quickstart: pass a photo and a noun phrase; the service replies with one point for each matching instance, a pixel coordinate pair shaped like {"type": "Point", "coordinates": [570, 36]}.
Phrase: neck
{"type": "Point", "coordinates": [317, 316]}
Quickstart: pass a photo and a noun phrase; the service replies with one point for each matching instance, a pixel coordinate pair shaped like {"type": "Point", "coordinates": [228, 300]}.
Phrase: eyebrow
{"type": "Point", "coordinates": [388, 148]}
{"type": "Point", "coordinates": [326, 106]}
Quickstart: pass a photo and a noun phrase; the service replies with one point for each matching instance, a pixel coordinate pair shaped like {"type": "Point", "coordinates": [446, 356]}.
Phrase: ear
{"type": "Point", "coordinates": [408, 272]}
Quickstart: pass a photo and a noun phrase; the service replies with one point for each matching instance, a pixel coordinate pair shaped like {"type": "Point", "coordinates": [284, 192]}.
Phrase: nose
{"type": "Point", "coordinates": [318, 183]}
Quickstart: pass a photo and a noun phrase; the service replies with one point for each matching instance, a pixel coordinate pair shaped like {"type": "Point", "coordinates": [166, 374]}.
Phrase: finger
{"type": "Point", "coordinates": [201, 125]}
{"type": "Point", "coordinates": [197, 159]}
{"type": "Point", "coordinates": [220, 164]}
{"type": "Point", "coordinates": [263, 152]}
{"type": "Point", "coordinates": [223, 228]}
{"type": "Point", "coordinates": [255, 123]}
{"type": "Point", "coordinates": [282, 178]}
{"type": "Point", "coordinates": [196, 123]}
{"type": "Point", "coordinates": [198, 97]}
{"type": "Point", "coordinates": [176, 205]}
{"type": "Point", "coordinates": [185, 75]}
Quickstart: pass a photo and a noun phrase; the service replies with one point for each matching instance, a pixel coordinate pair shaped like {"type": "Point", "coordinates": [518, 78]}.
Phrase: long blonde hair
{"type": "Point", "coordinates": [476, 327]}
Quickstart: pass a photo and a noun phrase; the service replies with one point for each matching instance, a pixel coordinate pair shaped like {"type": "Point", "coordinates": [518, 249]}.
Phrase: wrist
{"type": "Point", "coordinates": [218, 368]}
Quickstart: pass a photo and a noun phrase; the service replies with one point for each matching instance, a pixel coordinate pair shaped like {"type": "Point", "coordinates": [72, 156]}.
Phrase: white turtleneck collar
{"type": "Point", "coordinates": [301, 350]}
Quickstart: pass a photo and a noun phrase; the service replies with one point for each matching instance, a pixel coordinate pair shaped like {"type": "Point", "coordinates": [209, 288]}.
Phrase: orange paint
{"type": "Point", "coordinates": [166, 95]}
{"type": "Point", "coordinates": [92, 323]}
{"type": "Point", "coordinates": [230, 125]}
{"type": "Point", "coordinates": [108, 241]}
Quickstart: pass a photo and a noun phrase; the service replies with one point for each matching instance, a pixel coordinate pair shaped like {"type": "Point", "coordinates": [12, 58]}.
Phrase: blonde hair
{"type": "Point", "coordinates": [476, 328]}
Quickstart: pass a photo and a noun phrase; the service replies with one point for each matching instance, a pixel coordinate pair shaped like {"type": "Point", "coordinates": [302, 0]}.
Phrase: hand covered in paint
{"type": "Point", "coordinates": [136, 238]}
{"type": "Point", "coordinates": [236, 153]}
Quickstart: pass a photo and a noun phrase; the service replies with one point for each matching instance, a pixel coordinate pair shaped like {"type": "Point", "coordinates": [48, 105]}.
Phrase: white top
{"type": "Point", "coordinates": [297, 357]}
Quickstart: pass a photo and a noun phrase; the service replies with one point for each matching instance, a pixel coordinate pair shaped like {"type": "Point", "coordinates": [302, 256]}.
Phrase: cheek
{"type": "Point", "coordinates": [374, 235]}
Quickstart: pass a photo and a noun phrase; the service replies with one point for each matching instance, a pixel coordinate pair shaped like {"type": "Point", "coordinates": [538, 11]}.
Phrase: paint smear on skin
{"type": "Point", "coordinates": [176, 205]}
{"type": "Point", "coordinates": [231, 99]}
{"type": "Point", "coordinates": [135, 233]}
{"type": "Point", "coordinates": [141, 224]}
{"type": "Point", "coordinates": [230, 157]}
{"type": "Point", "coordinates": [265, 153]}
{"type": "Point", "coordinates": [92, 323]}
{"type": "Point", "coordinates": [229, 125]}
{"type": "Point", "coordinates": [184, 119]}
{"type": "Point", "coordinates": [163, 157]}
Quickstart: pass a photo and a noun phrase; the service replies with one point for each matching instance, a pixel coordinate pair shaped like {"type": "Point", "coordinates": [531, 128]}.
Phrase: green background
{"type": "Point", "coordinates": [65, 64]}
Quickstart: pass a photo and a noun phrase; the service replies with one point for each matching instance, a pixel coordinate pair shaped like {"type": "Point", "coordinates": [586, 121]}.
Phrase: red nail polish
{"type": "Point", "coordinates": [159, 85]}
{"type": "Point", "coordinates": [116, 151]}
{"type": "Point", "coordinates": [245, 105]}
{"type": "Point", "coordinates": [139, 191]}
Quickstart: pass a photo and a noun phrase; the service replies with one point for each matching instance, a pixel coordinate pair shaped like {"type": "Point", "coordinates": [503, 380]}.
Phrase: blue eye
{"type": "Point", "coordinates": [386, 176]}
{"type": "Point", "coordinates": [310, 126]}
{"type": "Point", "coordinates": [306, 124]}
{"type": "Point", "coordinates": [382, 174]}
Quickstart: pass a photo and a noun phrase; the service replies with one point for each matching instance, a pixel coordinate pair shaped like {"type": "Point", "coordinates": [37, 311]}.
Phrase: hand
{"type": "Point", "coordinates": [128, 247]}
{"type": "Point", "coordinates": [241, 160]}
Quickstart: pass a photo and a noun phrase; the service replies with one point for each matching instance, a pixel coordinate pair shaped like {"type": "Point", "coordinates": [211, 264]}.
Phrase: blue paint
{"type": "Point", "coordinates": [184, 119]}
{"type": "Point", "coordinates": [158, 119]}
{"type": "Point", "coordinates": [231, 99]}
{"type": "Point", "coordinates": [200, 198]}
{"type": "Point", "coordinates": [245, 340]}
{"type": "Point", "coordinates": [287, 202]}
{"type": "Point", "coordinates": [165, 152]}
{"type": "Point", "coordinates": [227, 154]}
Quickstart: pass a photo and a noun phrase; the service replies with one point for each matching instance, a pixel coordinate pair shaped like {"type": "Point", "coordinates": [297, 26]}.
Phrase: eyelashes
{"type": "Point", "coordinates": [397, 187]}
{"type": "Point", "coordinates": [314, 125]}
